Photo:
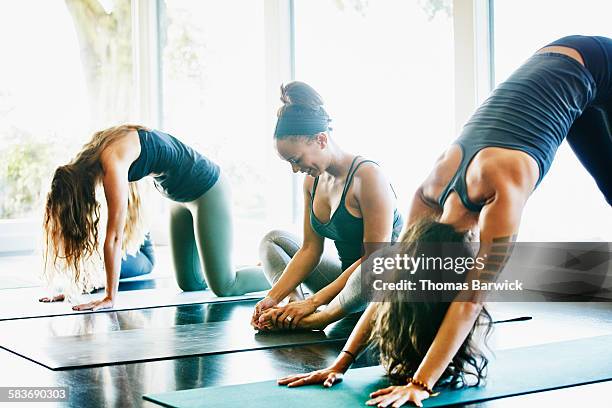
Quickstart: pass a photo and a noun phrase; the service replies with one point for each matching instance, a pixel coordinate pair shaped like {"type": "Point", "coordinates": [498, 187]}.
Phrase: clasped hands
{"type": "Point", "coordinates": [269, 316]}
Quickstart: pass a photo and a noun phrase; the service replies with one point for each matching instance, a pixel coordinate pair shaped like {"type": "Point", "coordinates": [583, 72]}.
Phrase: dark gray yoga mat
{"type": "Point", "coordinates": [11, 282]}
{"type": "Point", "coordinates": [24, 304]}
{"type": "Point", "coordinates": [513, 372]}
{"type": "Point", "coordinates": [150, 344]}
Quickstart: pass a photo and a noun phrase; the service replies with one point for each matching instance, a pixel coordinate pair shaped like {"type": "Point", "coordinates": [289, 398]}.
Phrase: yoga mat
{"type": "Point", "coordinates": [12, 282]}
{"type": "Point", "coordinates": [24, 304]}
{"type": "Point", "coordinates": [16, 270]}
{"type": "Point", "coordinates": [158, 343]}
{"type": "Point", "coordinates": [551, 323]}
{"type": "Point", "coordinates": [152, 280]}
{"type": "Point", "coordinates": [512, 372]}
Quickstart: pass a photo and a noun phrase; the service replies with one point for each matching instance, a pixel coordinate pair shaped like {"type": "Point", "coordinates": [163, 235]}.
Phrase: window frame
{"type": "Point", "coordinates": [474, 56]}
{"type": "Point", "coordinates": [474, 79]}
{"type": "Point", "coordinates": [20, 235]}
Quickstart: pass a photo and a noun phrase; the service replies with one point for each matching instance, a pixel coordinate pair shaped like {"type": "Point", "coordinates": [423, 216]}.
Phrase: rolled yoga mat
{"type": "Point", "coordinates": [512, 372]}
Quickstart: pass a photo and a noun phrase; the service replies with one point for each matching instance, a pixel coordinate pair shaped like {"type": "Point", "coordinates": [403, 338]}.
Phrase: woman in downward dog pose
{"type": "Point", "coordinates": [346, 198]}
{"type": "Point", "coordinates": [480, 185]}
{"type": "Point", "coordinates": [200, 217]}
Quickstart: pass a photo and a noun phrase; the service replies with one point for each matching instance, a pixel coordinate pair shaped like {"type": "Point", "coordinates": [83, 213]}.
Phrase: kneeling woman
{"type": "Point", "coordinates": [200, 217]}
{"type": "Point", "coordinates": [346, 199]}
{"type": "Point", "coordinates": [482, 183]}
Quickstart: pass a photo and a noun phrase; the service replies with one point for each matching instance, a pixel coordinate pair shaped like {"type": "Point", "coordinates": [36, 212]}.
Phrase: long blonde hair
{"type": "Point", "coordinates": [72, 215]}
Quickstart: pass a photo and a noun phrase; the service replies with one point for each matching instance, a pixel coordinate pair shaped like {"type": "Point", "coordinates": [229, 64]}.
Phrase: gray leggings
{"type": "Point", "coordinates": [278, 247]}
{"type": "Point", "coordinates": [201, 242]}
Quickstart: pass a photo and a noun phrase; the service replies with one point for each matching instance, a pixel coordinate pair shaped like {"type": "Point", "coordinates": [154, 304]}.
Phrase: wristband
{"type": "Point", "coordinates": [350, 354]}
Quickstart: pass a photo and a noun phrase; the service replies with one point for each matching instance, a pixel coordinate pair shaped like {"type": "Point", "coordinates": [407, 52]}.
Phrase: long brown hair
{"type": "Point", "coordinates": [72, 213]}
{"type": "Point", "coordinates": [403, 330]}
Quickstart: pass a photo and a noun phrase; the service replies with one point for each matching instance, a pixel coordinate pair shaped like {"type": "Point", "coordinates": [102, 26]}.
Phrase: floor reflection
{"type": "Point", "coordinates": [124, 384]}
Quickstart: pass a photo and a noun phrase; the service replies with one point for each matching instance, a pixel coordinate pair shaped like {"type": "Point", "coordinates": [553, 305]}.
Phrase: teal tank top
{"type": "Point", "coordinates": [345, 229]}
{"type": "Point", "coordinates": [182, 174]}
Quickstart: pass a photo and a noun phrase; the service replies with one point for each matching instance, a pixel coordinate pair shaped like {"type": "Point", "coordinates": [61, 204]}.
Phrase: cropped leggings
{"type": "Point", "coordinates": [201, 239]}
{"type": "Point", "coordinates": [278, 247]}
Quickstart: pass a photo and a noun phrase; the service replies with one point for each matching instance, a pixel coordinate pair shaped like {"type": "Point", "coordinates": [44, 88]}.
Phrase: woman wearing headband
{"type": "Point", "coordinates": [346, 199]}
{"type": "Point", "coordinates": [480, 185]}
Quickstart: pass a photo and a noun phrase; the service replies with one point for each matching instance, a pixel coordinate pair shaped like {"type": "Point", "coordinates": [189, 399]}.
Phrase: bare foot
{"type": "Point", "coordinates": [57, 298]}
{"type": "Point", "coordinates": [267, 320]}
{"type": "Point", "coordinates": [314, 321]}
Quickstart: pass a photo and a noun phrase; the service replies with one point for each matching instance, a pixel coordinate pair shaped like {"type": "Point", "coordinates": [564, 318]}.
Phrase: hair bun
{"type": "Point", "coordinates": [301, 94]}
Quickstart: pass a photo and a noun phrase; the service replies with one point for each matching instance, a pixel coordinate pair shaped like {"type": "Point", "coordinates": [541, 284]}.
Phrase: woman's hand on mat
{"type": "Point", "coordinates": [327, 376]}
{"type": "Point", "coordinates": [105, 303]}
{"type": "Point", "coordinates": [396, 396]}
{"type": "Point", "coordinates": [50, 299]}
{"type": "Point", "coordinates": [291, 314]}
{"type": "Point", "coordinates": [264, 304]}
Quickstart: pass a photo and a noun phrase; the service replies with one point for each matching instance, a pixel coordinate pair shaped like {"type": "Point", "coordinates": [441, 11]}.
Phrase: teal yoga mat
{"type": "Point", "coordinates": [512, 372]}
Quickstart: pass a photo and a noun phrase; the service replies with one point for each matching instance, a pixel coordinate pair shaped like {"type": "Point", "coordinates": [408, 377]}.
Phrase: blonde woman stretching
{"type": "Point", "coordinates": [200, 217]}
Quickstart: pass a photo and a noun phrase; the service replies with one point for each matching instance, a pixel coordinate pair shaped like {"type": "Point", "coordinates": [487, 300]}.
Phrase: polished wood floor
{"type": "Point", "coordinates": [123, 384]}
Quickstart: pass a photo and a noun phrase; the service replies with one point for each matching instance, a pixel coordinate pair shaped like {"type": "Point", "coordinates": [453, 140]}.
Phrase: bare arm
{"type": "Point", "coordinates": [325, 295]}
{"type": "Point", "coordinates": [116, 191]}
{"type": "Point", "coordinates": [354, 345]}
{"type": "Point", "coordinates": [357, 340]}
{"type": "Point", "coordinates": [115, 164]}
{"type": "Point", "coordinates": [499, 223]}
{"type": "Point", "coordinates": [374, 196]}
{"type": "Point", "coordinates": [305, 259]}
{"type": "Point", "coordinates": [376, 202]}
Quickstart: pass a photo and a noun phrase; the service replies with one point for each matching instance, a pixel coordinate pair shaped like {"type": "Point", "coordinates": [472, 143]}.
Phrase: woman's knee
{"type": "Point", "coordinates": [189, 277]}
{"type": "Point", "coordinates": [190, 285]}
{"type": "Point", "coordinates": [276, 249]}
{"type": "Point", "coordinates": [222, 290]}
{"type": "Point", "coordinates": [275, 240]}
{"type": "Point", "coordinates": [273, 237]}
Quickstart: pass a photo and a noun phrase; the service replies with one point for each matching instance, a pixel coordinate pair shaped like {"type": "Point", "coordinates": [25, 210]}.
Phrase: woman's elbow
{"type": "Point", "coordinates": [112, 240]}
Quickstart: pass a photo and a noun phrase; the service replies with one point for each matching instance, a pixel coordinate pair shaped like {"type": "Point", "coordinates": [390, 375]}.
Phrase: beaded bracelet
{"type": "Point", "coordinates": [421, 384]}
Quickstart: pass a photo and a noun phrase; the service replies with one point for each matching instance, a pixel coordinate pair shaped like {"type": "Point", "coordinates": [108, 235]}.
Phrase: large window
{"type": "Point", "coordinates": [567, 206]}
{"type": "Point", "coordinates": [213, 61]}
{"type": "Point", "coordinates": [385, 71]}
{"type": "Point", "coordinates": [88, 64]}
{"type": "Point", "coordinates": [66, 70]}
